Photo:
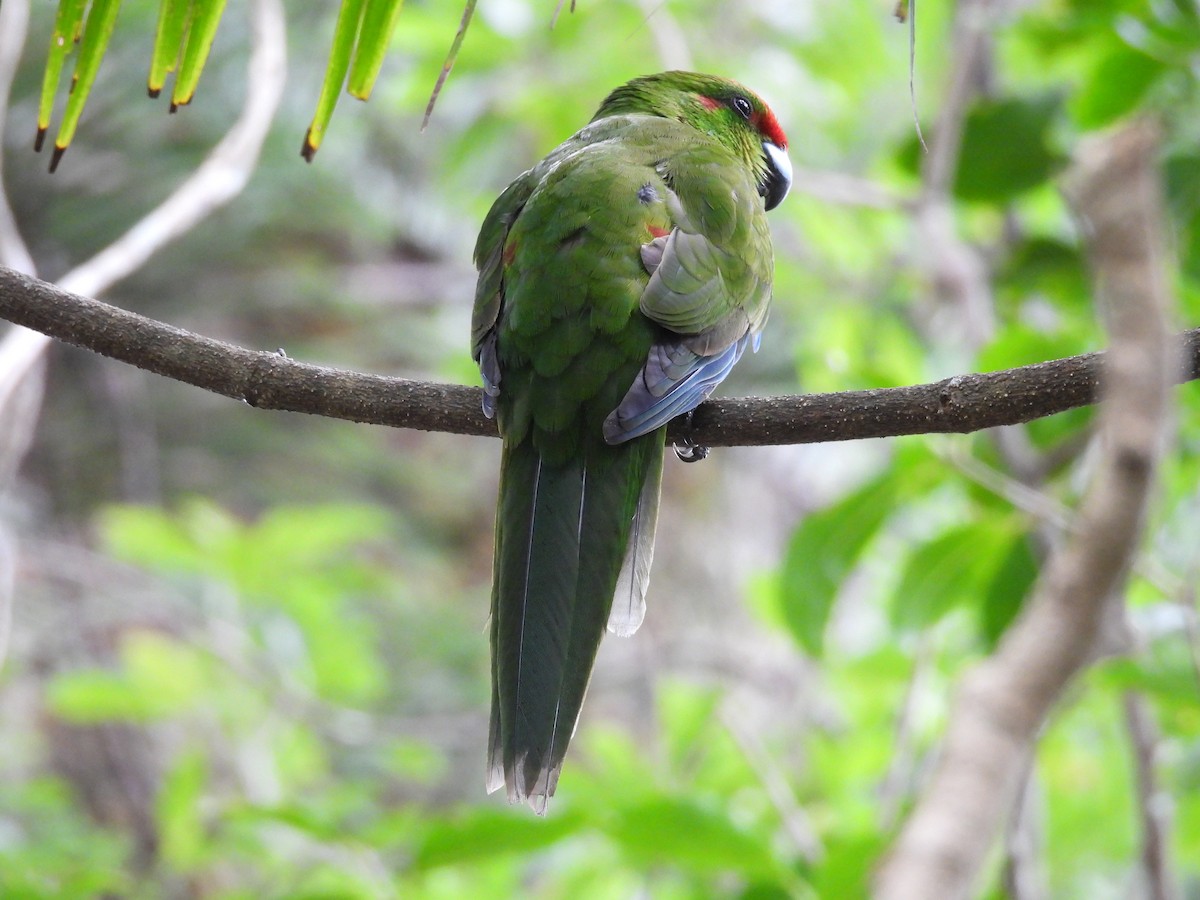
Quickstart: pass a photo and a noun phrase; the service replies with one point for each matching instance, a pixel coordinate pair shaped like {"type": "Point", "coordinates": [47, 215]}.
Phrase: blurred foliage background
{"type": "Point", "coordinates": [248, 654]}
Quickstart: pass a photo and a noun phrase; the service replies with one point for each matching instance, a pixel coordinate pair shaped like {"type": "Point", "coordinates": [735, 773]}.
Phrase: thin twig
{"type": "Point", "coordinates": [1022, 876]}
{"type": "Point", "coordinates": [669, 39]}
{"type": "Point", "coordinates": [969, 43]}
{"type": "Point", "coordinates": [1044, 508]}
{"type": "Point", "coordinates": [14, 22]}
{"type": "Point", "coordinates": [451, 56]}
{"type": "Point", "coordinates": [897, 782]}
{"type": "Point", "coordinates": [796, 821]}
{"type": "Point", "coordinates": [1154, 806]}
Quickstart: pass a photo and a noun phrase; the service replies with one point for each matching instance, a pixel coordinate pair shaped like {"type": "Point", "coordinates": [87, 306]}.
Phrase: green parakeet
{"type": "Point", "coordinates": [620, 279]}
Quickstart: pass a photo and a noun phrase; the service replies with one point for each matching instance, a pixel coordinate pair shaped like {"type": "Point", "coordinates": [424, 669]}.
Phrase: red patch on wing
{"type": "Point", "coordinates": [709, 102]}
{"type": "Point", "coordinates": [509, 254]}
{"type": "Point", "coordinates": [657, 232]}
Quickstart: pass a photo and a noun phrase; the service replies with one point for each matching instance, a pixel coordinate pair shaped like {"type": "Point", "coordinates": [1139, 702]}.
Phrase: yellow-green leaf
{"type": "Point", "coordinates": [345, 34]}
{"type": "Point", "coordinates": [97, 30]}
{"type": "Point", "coordinates": [173, 17]}
{"type": "Point", "coordinates": [62, 41]}
{"type": "Point", "coordinates": [374, 37]}
{"type": "Point", "coordinates": [205, 19]}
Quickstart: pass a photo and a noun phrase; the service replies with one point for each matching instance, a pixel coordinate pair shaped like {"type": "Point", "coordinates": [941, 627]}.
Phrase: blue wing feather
{"type": "Point", "coordinates": [674, 381]}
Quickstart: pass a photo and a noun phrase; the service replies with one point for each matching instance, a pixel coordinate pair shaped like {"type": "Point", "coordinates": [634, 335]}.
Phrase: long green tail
{"type": "Point", "coordinates": [562, 531]}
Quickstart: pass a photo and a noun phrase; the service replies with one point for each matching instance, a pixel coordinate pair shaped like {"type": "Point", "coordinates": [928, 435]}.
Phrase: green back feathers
{"type": "Point", "coordinates": [620, 279]}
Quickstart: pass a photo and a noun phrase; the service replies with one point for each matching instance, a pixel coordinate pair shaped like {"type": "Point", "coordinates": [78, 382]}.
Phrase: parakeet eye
{"type": "Point", "coordinates": [743, 108]}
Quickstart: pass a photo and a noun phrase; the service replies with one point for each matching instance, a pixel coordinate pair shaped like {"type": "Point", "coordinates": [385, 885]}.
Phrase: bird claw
{"type": "Point", "coordinates": [690, 453]}
{"type": "Point", "coordinates": [688, 450]}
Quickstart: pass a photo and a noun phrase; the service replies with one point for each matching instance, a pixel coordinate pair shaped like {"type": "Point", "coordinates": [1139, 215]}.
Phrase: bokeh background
{"type": "Point", "coordinates": [247, 653]}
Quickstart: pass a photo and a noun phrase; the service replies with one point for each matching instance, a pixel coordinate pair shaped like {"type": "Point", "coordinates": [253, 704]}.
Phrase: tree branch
{"type": "Point", "coordinates": [1004, 702]}
{"type": "Point", "coordinates": [267, 380]}
{"type": "Point", "coordinates": [1153, 803]}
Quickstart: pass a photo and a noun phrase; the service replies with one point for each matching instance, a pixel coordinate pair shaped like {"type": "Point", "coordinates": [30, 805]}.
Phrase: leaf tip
{"type": "Point", "coordinates": [56, 157]}
{"type": "Point", "coordinates": [40, 139]}
{"type": "Point", "coordinates": [308, 149]}
{"type": "Point", "coordinates": [153, 92]}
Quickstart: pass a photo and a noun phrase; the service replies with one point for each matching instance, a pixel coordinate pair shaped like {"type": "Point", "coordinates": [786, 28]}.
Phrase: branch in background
{"type": "Point", "coordinates": [961, 404]}
{"type": "Point", "coordinates": [956, 270]}
{"type": "Point", "coordinates": [22, 396]}
{"type": "Point", "coordinates": [1004, 702]}
{"type": "Point", "coordinates": [1023, 874]}
{"type": "Point", "coordinates": [1154, 806]}
{"type": "Point", "coordinates": [14, 22]}
{"type": "Point", "coordinates": [219, 179]}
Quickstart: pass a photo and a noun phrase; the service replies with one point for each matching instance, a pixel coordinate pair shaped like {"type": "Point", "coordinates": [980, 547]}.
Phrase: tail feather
{"type": "Point", "coordinates": [629, 599]}
{"type": "Point", "coordinates": [561, 535]}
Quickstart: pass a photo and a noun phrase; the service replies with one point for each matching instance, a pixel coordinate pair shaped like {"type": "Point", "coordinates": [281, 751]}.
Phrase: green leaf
{"type": "Point", "coordinates": [485, 833]}
{"type": "Point", "coordinates": [1003, 597]}
{"type": "Point", "coordinates": [97, 29]}
{"type": "Point", "coordinates": [693, 836]}
{"type": "Point", "coordinates": [181, 829]}
{"type": "Point", "coordinates": [1182, 173]}
{"type": "Point", "coordinates": [828, 544]}
{"type": "Point", "coordinates": [686, 713]}
{"type": "Point", "coordinates": [378, 24]}
{"type": "Point", "coordinates": [62, 41]}
{"type": "Point", "coordinates": [1005, 149]}
{"type": "Point", "coordinates": [1115, 86]}
{"type": "Point", "coordinates": [345, 35]}
{"type": "Point", "coordinates": [1023, 345]}
{"type": "Point", "coordinates": [821, 554]}
{"type": "Point", "coordinates": [1051, 268]}
{"type": "Point", "coordinates": [170, 674]}
{"type": "Point", "coordinates": [173, 17]}
{"type": "Point", "coordinates": [200, 34]}
{"type": "Point", "coordinates": [160, 678]}
{"type": "Point", "coordinates": [846, 870]}
{"type": "Point", "coordinates": [87, 696]}
{"type": "Point", "coordinates": [950, 570]}
{"type": "Point", "coordinates": [150, 537]}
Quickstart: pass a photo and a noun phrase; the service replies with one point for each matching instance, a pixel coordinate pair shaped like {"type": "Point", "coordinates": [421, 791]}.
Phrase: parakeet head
{"type": "Point", "coordinates": [733, 114]}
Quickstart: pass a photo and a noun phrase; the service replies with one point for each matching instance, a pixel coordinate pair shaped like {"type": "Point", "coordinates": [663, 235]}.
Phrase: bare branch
{"type": "Point", "coordinates": [1154, 806]}
{"type": "Point", "coordinates": [270, 380]}
{"type": "Point", "coordinates": [970, 45]}
{"type": "Point", "coordinates": [1023, 876]}
{"type": "Point", "coordinates": [1005, 701]}
{"type": "Point", "coordinates": [17, 395]}
{"type": "Point", "coordinates": [896, 787]}
{"type": "Point", "coordinates": [14, 22]}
